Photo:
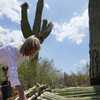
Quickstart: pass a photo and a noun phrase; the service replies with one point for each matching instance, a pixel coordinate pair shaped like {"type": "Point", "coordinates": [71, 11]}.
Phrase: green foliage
{"type": "Point", "coordinates": [27, 74]}
{"type": "Point", "coordinates": [43, 72]}
{"type": "Point", "coordinates": [81, 78]}
{"type": "Point", "coordinates": [1, 74]}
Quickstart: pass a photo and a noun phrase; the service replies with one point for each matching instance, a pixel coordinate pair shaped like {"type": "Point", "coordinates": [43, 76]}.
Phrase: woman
{"type": "Point", "coordinates": [10, 55]}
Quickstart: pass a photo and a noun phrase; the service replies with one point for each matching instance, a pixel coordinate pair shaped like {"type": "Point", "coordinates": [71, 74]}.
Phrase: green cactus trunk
{"type": "Point", "coordinates": [94, 46]}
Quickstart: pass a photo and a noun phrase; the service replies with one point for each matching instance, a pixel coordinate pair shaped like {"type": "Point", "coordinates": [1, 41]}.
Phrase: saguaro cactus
{"type": "Point", "coordinates": [40, 31]}
{"type": "Point", "coordinates": [94, 28]}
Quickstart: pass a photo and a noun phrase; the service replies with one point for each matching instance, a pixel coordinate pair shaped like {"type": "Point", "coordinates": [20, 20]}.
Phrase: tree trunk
{"type": "Point", "coordinates": [94, 28]}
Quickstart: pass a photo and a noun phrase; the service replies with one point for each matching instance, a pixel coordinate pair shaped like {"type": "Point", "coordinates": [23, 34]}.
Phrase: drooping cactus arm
{"type": "Point", "coordinates": [25, 26]}
{"type": "Point", "coordinates": [44, 25]}
{"type": "Point", "coordinates": [38, 16]}
{"type": "Point", "coordinates": [45, 30]}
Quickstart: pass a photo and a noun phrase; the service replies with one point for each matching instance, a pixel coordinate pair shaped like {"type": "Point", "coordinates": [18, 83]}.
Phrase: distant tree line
{"type": "Point", "coordinates": [81, 78]}
{"type": "Point", "coordinates": [44, 72]}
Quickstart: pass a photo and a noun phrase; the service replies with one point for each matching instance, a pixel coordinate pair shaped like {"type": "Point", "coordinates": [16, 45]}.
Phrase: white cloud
{"type": "Point", "coordinates": [83, 61]}
{"type": "Point", "coordinates": [80, 66]}
{"type": "Point", "coordinates": [10, 9]}
{"type": "Point", "coordinates": [74, 30]}
{"type": "Point", "coordinates": [47, 6]}
{"type": "Point", "coordinates": [7, 36]}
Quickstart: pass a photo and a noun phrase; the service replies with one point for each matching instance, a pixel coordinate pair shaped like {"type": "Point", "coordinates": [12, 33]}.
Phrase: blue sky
{"type": "Point", "coordinates": [68, 43]}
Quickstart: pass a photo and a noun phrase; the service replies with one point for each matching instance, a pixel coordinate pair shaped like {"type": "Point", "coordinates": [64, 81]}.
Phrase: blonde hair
{"type": "Point", "coordinates": [30, 43]}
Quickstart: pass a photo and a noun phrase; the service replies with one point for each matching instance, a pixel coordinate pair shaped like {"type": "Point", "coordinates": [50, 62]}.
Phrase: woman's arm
{"type": "Point", "coordinates": [20, 92]}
